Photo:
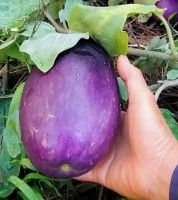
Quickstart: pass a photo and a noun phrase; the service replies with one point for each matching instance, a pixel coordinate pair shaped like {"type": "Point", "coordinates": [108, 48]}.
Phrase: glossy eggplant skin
{"type": "Point", "coordinates": [171, 8]}
{"type": "Point", "coordinates": [70, 115]}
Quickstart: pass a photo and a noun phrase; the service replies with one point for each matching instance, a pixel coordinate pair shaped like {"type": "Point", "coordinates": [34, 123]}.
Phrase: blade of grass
{"type": "Point", "coordinates": [25, 189]}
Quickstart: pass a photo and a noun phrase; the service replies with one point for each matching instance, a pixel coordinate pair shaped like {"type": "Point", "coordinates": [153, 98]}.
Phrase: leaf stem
{"type": "Point", "coordinates": [100, 192]}
{"type": "Point", "coordinates": [169, 32]}
{"type": "Point", "coordinates": [54, 23]}
{"type": "Point", "coordinates": [166, 84]}
{"type": "Point", "coordinates": [152, 54]}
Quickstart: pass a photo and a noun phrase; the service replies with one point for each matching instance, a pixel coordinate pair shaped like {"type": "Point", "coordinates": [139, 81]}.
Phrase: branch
{"type": "Point", "coordinates": [164, 86]}
{"type": "Point", "coordinates": [154, 87]}
{"type": "Point", "coordinates": [169, 33]}
{"type": "Point", "coordinates": [54, 23]}
{"type": "Point", "coordinates": [152, 54]}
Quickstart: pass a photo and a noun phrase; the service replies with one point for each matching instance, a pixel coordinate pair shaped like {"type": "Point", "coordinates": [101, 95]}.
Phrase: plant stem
{"type": "Point", "coordinates": [165, 85]}
{"type": "Point", "coordinates": [54, 23]}
{"type": "Point", "coordinates": [171, 40]}
{"type": "Point", "coordinates": [100, 192]}
{"type": "Point", "coordinates": [152, 54]}
{"type": "Point", "coordinates": [154, 87]}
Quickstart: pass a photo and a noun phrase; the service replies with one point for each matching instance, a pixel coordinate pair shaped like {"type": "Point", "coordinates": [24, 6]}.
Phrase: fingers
{"type": "Point", "coordinates": [142, 103]}
{"type": "Point", "coordinates": [134, 80]}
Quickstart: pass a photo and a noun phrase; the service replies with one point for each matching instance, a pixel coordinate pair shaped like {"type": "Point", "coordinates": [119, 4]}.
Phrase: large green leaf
{"type": "Point", "coordinates": [10, 47]}
{"type": "Point", "coordinates": [114, 2]}
{"type": "Point", "coordinates": [106, 24]}
{"type": "Point", "coordinates": [7, 168]}
{"type": "Point", "coordinates": [54, 7]}
{"type": "Point", "coordinates": [65, 13]}
{"type": "Point", "coordinates": [6, 45]}
{"type": "Point", "coordinates": [14, 52]}
{"type": "Point", "coordinates": [13, 13]}
{"type": "Point", "coordinates": [38, 29]}
{"type": "Point", "coordinates": [146, 2]}
{"type": "Point", "coordinates": [11, 133]}
{"type": "Point", "coordinates": [11, 140]}
{"type": "Point", "coordinates": [46, 44]}
{"type": "Point", "coordinates": [15, 103]}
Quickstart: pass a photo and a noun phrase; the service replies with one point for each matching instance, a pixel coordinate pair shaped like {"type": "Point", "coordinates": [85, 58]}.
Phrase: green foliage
{"type": "Point", "coordinates": [54, 7]}
{"type": "Point", "coordinates": [37, 176]}
{"type": "Point", "coordinates": [7, 45]}
{"type": "Point", "coordinates": [26, 163]}
{"type": "Point", "coordinates": [172, 74]}
{"type": "Point", "coordinates": [4, 108]}
{"type": "Point", "coordinates": [12, 141]}
{"type": "Point", "coordinates": [13, 52]}
{"type": "Point", "coordinates": [146, 2]}
{"type": "Point", "coordinates": [7, 167]}
{"type": "Point", "coordinates": [26, 190]}
{"type": "Point", "coordinates": [173, 125]}
{"type": "Point", "coordinates": [37, 30]}
{"type": "Point", "coordinates": [116, 2]}
{"type": "Point", "coordinates": [9, 42]}
{"type": "Point", "coordinates": [65, 13]}
{"type": "Point", "coordinates": [144, 18]}
{"type": "Point", "coordinates": [176, 44]}
{"type": "Point", "coordinates": [15, 103]}
{"type": "Point", "coordinates": [105, 24]}
{"type": "Point", "coordinates": [11, 133]}
{"type": "Point", "coordinates": [123, 89]}
{"type": "Point", "coordinates": [149, 65]}
{"type": "Point", "coordinates": [46, 44]}
{"type": "Point", "coordinates": [13, 13]}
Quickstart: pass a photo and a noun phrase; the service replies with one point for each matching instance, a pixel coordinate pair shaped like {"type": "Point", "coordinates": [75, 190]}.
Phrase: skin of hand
{"type": "Point", "coordinates": [145, 153]}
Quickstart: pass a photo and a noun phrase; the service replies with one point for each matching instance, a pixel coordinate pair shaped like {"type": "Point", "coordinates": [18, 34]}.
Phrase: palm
{"type": "Point", "coordinates": [126, 168]}
{"type": "Point", "coordinates": [129, 155]}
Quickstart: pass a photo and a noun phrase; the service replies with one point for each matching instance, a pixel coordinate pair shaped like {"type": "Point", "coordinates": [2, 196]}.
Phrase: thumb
{"type": "Point", "coordinates": [137, 88]}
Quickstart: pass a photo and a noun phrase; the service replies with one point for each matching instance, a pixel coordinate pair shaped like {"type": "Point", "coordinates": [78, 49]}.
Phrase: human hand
{"type": "Point", "coordinates": [144, 154]}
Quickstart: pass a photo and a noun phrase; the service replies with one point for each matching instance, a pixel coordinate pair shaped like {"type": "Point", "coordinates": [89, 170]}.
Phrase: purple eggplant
{"type": "Point", "coordinates": [171, 8]}
{"type": "Point", "coordinates": [70, 115]}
